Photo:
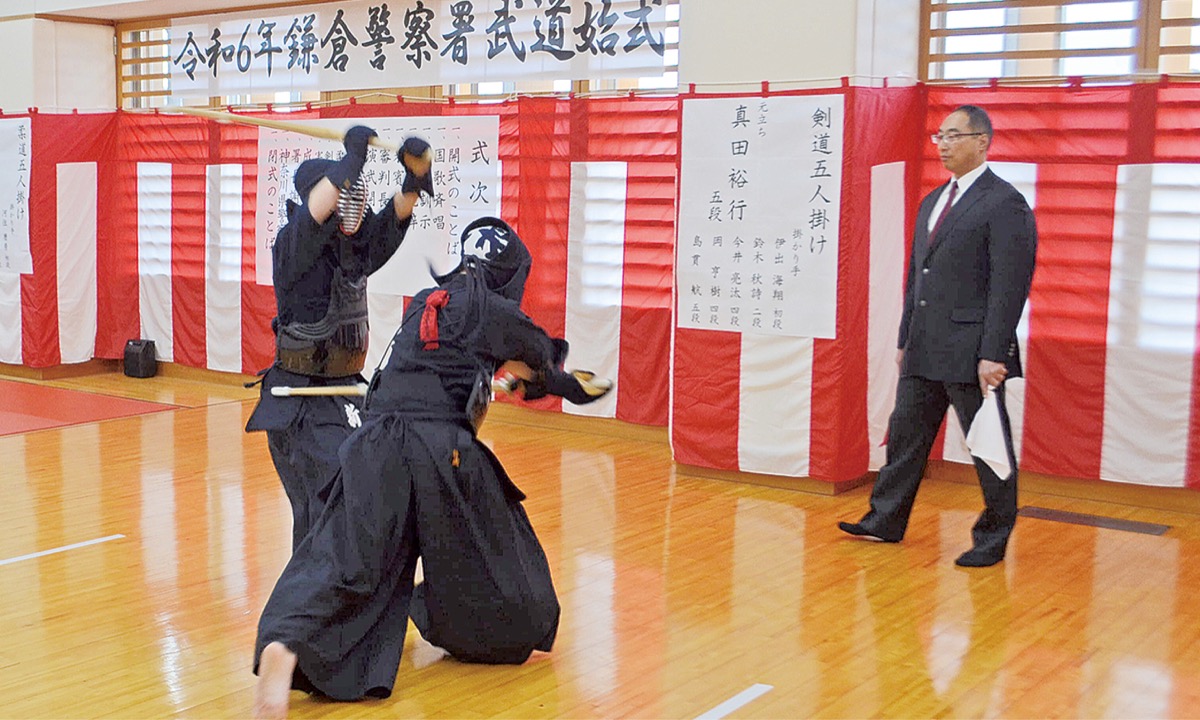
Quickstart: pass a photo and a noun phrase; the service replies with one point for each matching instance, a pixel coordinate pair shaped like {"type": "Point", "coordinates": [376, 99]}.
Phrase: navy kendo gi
{"type": "Point", "coordinates": [320, 276]}
{"type": "Point", "coordinates": [416, 482]}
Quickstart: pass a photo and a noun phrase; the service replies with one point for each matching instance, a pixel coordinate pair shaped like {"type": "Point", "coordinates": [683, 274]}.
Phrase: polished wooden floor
{"type": "Point", "coordinates": [682, 596]}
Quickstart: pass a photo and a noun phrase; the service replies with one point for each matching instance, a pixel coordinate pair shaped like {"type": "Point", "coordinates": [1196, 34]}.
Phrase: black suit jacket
{"type": "Point", "coordinates": [964, 293]}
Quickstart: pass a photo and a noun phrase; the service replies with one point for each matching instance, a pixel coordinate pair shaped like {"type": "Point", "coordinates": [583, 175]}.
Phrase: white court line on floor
{"type": "Point", "coordinates": [64, 548]}
{"type": "Point", "coordinates": [743, 698]}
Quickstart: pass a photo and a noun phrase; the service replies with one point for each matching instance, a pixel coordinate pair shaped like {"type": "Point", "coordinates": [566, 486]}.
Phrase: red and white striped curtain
{"type": "Point", "coordinates": [1111, 332]}
{"type": "Point", "coordinates": [142, 226]}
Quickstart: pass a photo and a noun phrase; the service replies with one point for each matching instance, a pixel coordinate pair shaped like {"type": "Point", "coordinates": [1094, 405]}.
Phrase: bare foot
{"type": "Point", "coordinates": [275, 668]}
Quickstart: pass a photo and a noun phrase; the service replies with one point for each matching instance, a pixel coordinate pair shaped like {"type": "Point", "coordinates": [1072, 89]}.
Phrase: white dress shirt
{"type": "Point", "coordinates": [964, 182]}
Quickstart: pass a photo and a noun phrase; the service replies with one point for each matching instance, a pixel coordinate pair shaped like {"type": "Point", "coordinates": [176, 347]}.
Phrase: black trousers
{"type": "Point", "coordinates": [920, 406]}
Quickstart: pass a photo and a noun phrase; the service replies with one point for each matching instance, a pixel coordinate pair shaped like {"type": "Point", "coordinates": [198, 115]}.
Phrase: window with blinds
{"type": "Point", "coordinates": [145, 74]}
{"type": "Point", "coordinates": [1047, 40]}
{"type": "Point", "coordinates": [143, 66]}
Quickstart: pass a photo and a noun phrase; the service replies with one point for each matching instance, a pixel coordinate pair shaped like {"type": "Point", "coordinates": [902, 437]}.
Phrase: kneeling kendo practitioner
{"type": "Point", "coordinates": [332, 241]}
{"type": "Point", "coordinates": [416, 482]}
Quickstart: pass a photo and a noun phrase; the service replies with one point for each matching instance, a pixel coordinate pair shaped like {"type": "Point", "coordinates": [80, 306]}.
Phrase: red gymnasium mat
{"type": "Point", "coordinates": [26, 406]}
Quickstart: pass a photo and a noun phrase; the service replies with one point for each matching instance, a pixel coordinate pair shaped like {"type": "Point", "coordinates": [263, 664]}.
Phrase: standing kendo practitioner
{"type": "Point", "coordinates": [321, 258]}
{"type": "Point", "coordinates": [416, 482]}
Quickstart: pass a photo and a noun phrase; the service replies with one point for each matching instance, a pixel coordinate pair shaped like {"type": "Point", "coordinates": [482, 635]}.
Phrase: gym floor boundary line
{"type": "Point", "coordinates": [64, 548]}
{"type": "Point", "coordinates": [743, 698]}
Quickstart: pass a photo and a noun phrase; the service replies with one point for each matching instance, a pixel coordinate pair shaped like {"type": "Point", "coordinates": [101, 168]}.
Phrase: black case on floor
{"type": "Point", "coordinates": [140, 359]}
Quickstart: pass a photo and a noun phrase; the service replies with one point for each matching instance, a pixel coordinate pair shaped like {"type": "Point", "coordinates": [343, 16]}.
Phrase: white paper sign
{"type": "Point", "coordinates": [760, 206]}
{"type": "Point", "coordinates": [14, 196]}
{"type": "Point", "coordinates": [412, 43]}
{"type": "Point", "coordinates": [466, 177]}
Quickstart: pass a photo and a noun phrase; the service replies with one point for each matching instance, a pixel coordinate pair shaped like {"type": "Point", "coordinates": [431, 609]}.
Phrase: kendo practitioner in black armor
{"type": "Point", "coordinates": [416, 482]}
{"type": "Point", "coordinates": [332, 241]}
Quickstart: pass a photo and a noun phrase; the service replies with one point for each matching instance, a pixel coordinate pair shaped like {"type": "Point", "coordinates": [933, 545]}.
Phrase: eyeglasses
{"type": "Point", "coordinates": [951, 137]}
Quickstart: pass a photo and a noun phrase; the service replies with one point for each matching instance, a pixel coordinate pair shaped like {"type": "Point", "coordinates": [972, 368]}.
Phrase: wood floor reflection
{"type": "Point", "coordinates": [678, 592]}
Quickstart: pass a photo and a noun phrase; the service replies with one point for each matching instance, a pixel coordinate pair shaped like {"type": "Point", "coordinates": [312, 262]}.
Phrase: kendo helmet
{"type": "Point", "coordinates": [493, 250]}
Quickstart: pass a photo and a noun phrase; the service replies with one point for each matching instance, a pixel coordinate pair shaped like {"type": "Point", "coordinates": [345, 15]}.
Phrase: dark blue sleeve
{"type": "Point", "coordinates": [510, 334]}
{"type": "Point", "coordinates": [304, 258]}
{"type": "Point", "coordinates": [299, 245]}
{"type": "Point", "coordinates": [1012, 251]}
{"type": "Point", "coordinates": [907, 308]}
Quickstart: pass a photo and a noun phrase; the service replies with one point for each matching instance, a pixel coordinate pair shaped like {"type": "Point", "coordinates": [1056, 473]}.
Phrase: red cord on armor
{"type": "Point", "coordinates": [429, 328]}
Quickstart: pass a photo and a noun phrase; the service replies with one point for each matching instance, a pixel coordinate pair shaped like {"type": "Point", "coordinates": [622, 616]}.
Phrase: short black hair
{"type": "Point", "coordinates": [977, 119]}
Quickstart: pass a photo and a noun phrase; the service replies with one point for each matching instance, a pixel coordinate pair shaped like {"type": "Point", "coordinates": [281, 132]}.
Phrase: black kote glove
{"type": "Point", "coordinates": [578, 387]}
{"type": "Point", "coordinates": [417, 159]}
{"type": "Point", "coordinates": [347, 170]}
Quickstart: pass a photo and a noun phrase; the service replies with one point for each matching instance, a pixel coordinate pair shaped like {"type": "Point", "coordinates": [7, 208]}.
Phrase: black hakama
{"type": "Point", "coordinates": [304, 433]}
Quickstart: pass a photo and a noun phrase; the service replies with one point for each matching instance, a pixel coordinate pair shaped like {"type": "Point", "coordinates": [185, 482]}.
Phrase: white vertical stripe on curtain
{"type": "Point", "coordinates": [154, 257]}
{"type": "Point", "coordinates": [76, 258]}
{"type": "Point", "coordinates": [595, 275]}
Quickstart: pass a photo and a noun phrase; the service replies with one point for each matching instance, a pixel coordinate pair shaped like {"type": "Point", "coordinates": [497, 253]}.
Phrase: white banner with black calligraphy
{"type": "Point", "coordinates": [466, 179]}
{"type": "Point", "coordinates": [412, 43]}
{"type": "Point", "coordinates": [760, 202]}
{"type": "Point", "coordinates": [14, 196]}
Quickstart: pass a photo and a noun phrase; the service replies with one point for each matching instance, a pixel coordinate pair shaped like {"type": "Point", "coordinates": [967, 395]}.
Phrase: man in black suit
{"type": "Point", "coordinates": [968, 279]}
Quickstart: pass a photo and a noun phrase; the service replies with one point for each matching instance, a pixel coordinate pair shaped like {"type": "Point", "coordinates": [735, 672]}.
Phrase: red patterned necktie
{"type": "Point", "coordinates": [945, 211]}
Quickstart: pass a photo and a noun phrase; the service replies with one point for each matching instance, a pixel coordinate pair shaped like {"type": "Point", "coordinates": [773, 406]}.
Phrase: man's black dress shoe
{"type": "Point", "coordinates": [978, 558]}
{"type": "Point", "coordinates": [860, 531]}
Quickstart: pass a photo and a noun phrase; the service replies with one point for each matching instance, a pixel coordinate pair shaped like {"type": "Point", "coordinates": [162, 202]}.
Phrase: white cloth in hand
{"type": "Point", "coordinates": [985, 439]}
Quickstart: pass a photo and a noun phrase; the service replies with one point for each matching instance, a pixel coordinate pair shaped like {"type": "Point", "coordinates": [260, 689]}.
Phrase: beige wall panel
{"type": "Point", "coordinates": [16, 90]}
{"type": "Point", "coordinates": [85, 70]}
{"type": "Point", "coordinates": [887, 38]}
{"type": "Point", "coordinates": [774, 40]}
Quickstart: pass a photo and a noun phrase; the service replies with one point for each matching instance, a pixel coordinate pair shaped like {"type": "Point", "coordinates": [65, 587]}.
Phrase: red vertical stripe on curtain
{"type": "Point", "coordinates": [39, 291]}
{"type": "Point", "coordinates": [1068, 321]}
{"type": "Point", "coordinates": [542, 208]}
{"type": "Point", "coordinates": [258, 301]}
{"type": "Point", "coordinates": [644, 382]}
{"type": "Point", "coordinates": [708, 371]}
{"type": "Point", "coordinates": [540, 212]}
{"type": "Point", "coordinates": [187, 264]}
{"type": "Point", "coordinates": [643, 133]}
{"type": "Point", "coordinates": [116, 258]}
{"type": "Point", "coordinates": [646, 134]}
